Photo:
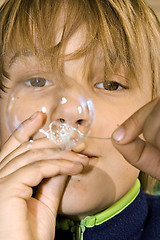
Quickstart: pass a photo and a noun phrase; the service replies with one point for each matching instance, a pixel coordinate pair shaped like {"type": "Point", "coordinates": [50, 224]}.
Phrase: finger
{"type": "Point", "coordinates": [23, 133]}
{"type": "Point", "coordinates": [133, 126]}
{"type": "Point", "coordinates": [79, 148]}
{"type": "Point", "coordinates": [35, 155]}
{"type": "Point", "coordinates": [142, 155]}
{"type": "Point", "coordinates": [50, 192]}
{"type": "Point", "coordinates": [151, 129]}
{"type": "Point", "coordinates": [32, 174]}
{"type": "Point", "coordinates": [42, 143]}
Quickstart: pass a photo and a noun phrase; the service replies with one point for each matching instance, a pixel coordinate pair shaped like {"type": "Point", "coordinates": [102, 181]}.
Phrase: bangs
{"type": "Point", "coordinates": [33, 26]}
{"type": "Point", "coordinates": [43, 28]}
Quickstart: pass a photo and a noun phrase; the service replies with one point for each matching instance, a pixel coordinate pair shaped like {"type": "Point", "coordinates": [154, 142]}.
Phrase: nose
{"type": "Point", "coordinates": [70, 115]}
{"type": "Point", "coordinates": [71, 111]}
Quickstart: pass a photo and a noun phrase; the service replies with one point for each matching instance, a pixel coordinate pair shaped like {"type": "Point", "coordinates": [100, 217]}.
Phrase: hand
{"type": "Point", "coordinates": [143, 154]}
{"type": "Point", "coordinates": [24, 166]}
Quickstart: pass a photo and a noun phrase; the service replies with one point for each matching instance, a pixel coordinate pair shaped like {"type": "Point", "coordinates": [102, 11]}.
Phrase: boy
{"type": "Point", "coordinates": [110, 48]}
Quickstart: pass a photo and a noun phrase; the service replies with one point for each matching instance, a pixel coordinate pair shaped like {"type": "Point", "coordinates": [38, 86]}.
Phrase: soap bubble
{"type": "Point", "coordinates": [69, 110]}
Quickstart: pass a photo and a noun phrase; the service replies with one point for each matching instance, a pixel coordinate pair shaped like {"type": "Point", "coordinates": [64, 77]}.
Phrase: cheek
{"type": "Point", "coordinates": [112, 113]}
{"type": "Point", "coordinates": [120, 171]}
{"type": "Point", "coordinates": [106, 121]}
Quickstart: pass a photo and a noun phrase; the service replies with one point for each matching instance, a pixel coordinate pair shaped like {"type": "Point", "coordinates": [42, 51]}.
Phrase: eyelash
{"type": "Point", "coordinates": [38, 82]}
{"type": "Point", "coordinates": [111, 86]}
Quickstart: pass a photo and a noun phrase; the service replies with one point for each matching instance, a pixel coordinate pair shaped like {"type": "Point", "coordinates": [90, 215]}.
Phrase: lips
{"type": "Point", "coordinates": [89, 155]}
{"type": "Point", "coordinates": [92, 156]}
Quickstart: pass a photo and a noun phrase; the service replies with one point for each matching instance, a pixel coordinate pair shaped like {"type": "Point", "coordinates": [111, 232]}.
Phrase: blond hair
{"type": "Point", "coordinates": [128, 32]}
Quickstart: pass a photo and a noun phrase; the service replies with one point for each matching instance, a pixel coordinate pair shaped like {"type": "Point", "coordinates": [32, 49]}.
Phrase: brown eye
{"type": "Point", "coordinates": [38, 82]}
{"type": "Point", "coordinates": [110, 86]}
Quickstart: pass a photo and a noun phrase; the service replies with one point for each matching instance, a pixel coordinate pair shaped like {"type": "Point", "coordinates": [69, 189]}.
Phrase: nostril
{"type": "Point", "coordinates": [62, 120]}
{"type": "Point", "coordinates": [80, 121]}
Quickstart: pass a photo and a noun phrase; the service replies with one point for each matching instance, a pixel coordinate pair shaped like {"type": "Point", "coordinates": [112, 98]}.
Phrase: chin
{"type": "Point", "coordinates": [81, 199]}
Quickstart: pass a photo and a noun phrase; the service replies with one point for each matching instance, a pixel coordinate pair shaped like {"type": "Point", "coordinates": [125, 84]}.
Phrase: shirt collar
{"type": "Point", "coordinates": [113, 210]}
{"type": "Point", "coordinates": [99, 218]}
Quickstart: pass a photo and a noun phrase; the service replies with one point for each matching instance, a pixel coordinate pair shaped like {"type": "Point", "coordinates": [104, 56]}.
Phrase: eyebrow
{"type": "Point", "coordinates": [20, 54]}
{"type": "Point", "coordinates": [28, 53]}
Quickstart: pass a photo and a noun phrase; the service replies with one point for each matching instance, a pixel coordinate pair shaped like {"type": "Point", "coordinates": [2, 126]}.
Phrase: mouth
{"type": "Point", "coordinates": [82, 150]}
{"type": "Point", "coordinates": [89, 155]}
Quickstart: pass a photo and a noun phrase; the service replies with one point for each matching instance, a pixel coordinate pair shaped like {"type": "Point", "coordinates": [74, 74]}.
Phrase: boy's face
{"type": "Point", "coordinates": [108, 176]}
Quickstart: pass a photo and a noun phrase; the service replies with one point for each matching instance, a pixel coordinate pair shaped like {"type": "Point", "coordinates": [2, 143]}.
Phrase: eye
{"type": "Point", "coordinates": [38, 82]}
{"type": "Point", "coordinates": [110, 86]}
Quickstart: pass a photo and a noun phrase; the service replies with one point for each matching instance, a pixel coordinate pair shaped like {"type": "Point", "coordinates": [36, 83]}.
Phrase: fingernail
{"type": "Point", "coordinates": [119, 134]}
{"type": "Point", "coordinates": [82, 155]}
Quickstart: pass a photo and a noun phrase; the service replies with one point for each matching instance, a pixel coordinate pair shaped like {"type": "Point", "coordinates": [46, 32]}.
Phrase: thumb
{"type": "Point", "coordinates": [50, 192]}
{"type": "Point", "coordinates": [44, 214]}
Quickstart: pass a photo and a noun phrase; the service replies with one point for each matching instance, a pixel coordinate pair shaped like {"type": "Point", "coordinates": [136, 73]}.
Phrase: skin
{"type": "Point", "coordinates": [126, 140]}
{"type": "Point", "coordinates": [74, 179]}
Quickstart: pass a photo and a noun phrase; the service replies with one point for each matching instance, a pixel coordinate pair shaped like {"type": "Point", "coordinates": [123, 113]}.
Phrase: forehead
{"type": "Point", "coordinates": [74, 43]}
{"type": "Point", "coordinates": [73, 46]}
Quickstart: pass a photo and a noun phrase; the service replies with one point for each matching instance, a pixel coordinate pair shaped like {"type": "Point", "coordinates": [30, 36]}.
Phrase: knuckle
{"type": "Point", "coordinates": [23, 191]}
{"type": "Point", "coordinates": [42, 169]}
{"type": "Point", "coordinates": [39, 166]}
{"type": "Point", "coordinates": [33, 151]}
{"type": "Point", "coordinates": [38, 153]}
